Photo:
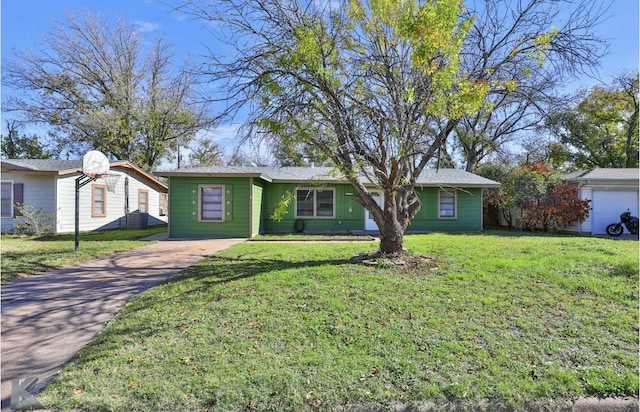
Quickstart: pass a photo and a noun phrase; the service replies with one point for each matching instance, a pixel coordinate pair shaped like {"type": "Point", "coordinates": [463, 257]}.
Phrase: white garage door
{"type": "Point", "coordinates": [607, 207]}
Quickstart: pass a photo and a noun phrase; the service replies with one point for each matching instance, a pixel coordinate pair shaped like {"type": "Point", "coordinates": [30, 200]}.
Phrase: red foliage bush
{"type": "Point", "coordinates": [558, 207]}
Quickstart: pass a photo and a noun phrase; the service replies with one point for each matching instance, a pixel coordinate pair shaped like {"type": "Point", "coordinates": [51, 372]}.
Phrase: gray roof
{"type": "Point", "coordinates": [41, 165]}
{"type": "Point", "coordinates": [607, 174]}
{"type": "Point", "coordinates": [65, 167]}
{"type": "Point", "coordinates": [429, 177]}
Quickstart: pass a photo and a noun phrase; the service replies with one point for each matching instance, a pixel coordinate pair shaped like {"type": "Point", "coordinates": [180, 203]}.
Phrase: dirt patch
{"type": "Point", "coordinates": [404, 262]}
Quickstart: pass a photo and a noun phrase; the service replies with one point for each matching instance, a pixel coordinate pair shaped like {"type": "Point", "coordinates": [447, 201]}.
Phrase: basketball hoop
{"type": "Point", "coordinates": [110, 180]}
{"type": "Point", "coordinates": [94, 164]}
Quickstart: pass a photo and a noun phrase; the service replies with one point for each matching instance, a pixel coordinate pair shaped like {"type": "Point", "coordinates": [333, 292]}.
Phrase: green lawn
{"type": "Point", "coordinates": [26, 256]}
{"type": "Point", "coordinates": [502, 321]}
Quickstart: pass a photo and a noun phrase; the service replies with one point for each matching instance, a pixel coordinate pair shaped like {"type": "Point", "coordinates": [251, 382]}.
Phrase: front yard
{"type": "Point", "coordinates": [27, 256]}
{"type": "Point", "coordinates": [501, 321]}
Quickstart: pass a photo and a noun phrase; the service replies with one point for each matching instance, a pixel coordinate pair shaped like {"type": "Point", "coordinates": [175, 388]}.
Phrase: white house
{"type": "Point", "coordinates": [611, 191]}
{"type": "Point", "coordinates": [138, 199]}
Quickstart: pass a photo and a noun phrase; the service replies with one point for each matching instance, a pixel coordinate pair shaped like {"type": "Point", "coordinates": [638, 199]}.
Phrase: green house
{"type": "Point", "coordinates": [239, 202]}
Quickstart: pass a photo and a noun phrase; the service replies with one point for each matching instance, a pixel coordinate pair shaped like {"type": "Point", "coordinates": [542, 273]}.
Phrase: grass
{"type": "Point", "coordinates": [502, 321]}
{"type": "Point", "coordinates": [27, 256]}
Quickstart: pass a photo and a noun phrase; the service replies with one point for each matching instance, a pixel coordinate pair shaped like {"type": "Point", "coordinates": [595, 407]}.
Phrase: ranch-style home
{"type": "Point", "coordinates": [138, 199]}
{"type": "Point", "coordinates": [224, 202]}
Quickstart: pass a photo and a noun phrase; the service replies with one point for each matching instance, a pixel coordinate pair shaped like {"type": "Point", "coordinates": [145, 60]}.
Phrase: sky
{"type": "Point", "coordinates": [25, 22]}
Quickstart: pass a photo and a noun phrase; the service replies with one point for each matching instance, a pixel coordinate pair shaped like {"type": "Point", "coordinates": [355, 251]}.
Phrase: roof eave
{"type": "Point", "coordinates": [205, 174]}
{"type": "Point", "coordinates": [617, 181]}
{"type": "Point", "coordinates": [148, 177]}
{"type": "Point", "coordinates": [461, 185]}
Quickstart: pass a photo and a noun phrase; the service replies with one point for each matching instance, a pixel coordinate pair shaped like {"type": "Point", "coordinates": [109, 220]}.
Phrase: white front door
{"type": "Point", "coordinates": [369, 223]}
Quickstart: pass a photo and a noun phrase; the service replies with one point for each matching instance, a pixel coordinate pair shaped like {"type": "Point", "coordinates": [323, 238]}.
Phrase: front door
{"type": "Point", "coordinates": [369, 222]}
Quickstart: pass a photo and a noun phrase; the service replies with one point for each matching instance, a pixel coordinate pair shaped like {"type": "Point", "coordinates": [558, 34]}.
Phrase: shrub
{"type": "Point", "coordinates": [558, 206]}
{"type": "Point", "coordinates": [34, 221]}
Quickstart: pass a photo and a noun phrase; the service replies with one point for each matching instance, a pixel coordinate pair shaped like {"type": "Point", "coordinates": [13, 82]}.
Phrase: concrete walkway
{"type": "Point", "coordinates": [47, 318]}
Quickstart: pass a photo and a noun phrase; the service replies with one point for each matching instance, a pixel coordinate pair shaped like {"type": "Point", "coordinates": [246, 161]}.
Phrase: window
{"type": "Point", "coordinates": [98, 200]}
{"type": "Point", "coordinates": [447, 204]}
{"type": "Point", "coordinates": [143, 201]}
{"type": "Point", "coordinates": [315, 203]}
{"type": "Point", "coordinates": [211, 203]}
{"type": "Point", "coordinates": [163, 207]}
{"type": "Point", "coordinates": [7, 199]}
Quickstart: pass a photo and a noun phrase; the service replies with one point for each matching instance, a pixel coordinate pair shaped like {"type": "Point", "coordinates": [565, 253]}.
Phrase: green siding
{"type": "Point", "coordinates": [247, 216]}
{"type": "Point", "coordinates": [349, 214]}
{"type": "Point", "coordinates": [257, 202]}
{"type": "Point", "coordinates": [468, 207]}
{"type": "Point", "coordinates": [183, 204]}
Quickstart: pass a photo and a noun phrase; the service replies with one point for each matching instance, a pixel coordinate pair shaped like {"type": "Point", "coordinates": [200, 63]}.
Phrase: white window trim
{"type": "Point", "coordinates": [315, 203]}
{"type": "Point", "coordinates": [11, 208]}
{"type": "Point", "coordinates": [453, 192]}
{"type": "Point", "coordinates": [200, 219]}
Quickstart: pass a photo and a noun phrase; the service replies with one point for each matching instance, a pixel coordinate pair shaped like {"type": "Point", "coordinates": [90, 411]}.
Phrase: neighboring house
{"type": "Point", "coordinates": [139, 198]}
{"type": "Point", "coordinates": [221, 202]}
{"type": "Point", "coordinates": [611, 191]}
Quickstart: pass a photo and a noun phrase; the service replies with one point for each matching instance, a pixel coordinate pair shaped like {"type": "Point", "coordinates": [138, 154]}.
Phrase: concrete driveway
{"type": "Point", "coordinates": [47, 318]}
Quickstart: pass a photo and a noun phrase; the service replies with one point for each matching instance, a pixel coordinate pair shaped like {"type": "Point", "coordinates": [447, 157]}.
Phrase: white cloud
{"type": "Point", "coordinates": [146, 26]}
{"type": "Point", "coordinates": [225, 135]}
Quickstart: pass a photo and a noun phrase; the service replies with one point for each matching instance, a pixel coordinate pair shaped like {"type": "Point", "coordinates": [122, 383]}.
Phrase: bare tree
{"type": "Point", "coordinates": [526, 50]}
{"type": "Point", "coordinates": [95, 85]}
{"type": "Point", "coordinates": [375, 87]}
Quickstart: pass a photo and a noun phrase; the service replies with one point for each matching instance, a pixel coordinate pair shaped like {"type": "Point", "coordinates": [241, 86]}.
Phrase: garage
{"type": "Point", "coordinates": [607, 205]}
{"type": "Point", "coordinates": [611, 191]}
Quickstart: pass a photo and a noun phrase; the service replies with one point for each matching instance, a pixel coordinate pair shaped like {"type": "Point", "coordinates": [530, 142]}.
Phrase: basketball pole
{"type": "Point", "coordinates": [80, 181]}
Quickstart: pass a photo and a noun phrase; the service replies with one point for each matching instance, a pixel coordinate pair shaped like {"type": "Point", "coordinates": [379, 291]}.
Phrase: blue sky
{"type": "Point", "coordinates": [24, 22]}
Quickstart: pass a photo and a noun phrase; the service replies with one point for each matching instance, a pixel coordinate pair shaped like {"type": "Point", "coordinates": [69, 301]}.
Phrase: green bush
{"type": "Point", "coordinates": [34, 221]}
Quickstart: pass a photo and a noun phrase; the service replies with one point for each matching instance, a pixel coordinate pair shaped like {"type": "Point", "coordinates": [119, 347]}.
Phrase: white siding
{"type": "Point", "coordinates": [135, 185]}
{"type": "Point", "coordinates": [584, 227]}
{"type": "Point", "coordinates": [585, 194]}
{"type": "Point", "coordinates": [39, 190]}
{"type": "Point", "coordinates": [115, 204]}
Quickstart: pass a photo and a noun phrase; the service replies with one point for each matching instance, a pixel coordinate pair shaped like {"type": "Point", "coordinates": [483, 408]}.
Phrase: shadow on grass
{"type": "Point", "coordinates": [101, 235]}
{"type": "Point", "coordinates": [214, 271]}
{"type": "Point", "coordinates": [628, 270]}
{"type": "Point", "coordinates": [15, 265]}
{"type": "Point", "coordinates": [218, 269]}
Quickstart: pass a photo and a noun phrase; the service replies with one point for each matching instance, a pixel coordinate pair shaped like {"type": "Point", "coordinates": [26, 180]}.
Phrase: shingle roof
{"type": "Point", "coordinates": [65, 167]}
{"type": "Point", "coordinates": [430, 177]}
{"type": "Point", "coordinates": [608, 174]}
{"type": "Point", "coordinates": [42, 165]}
{"type": "Point", "coordinates": [453, 177]}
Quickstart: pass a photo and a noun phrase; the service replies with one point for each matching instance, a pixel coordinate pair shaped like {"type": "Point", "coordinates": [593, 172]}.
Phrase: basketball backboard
{"type": "Point", "coordinates": [95, 163]}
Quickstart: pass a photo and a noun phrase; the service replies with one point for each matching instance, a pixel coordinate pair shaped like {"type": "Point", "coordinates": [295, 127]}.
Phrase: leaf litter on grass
{"type": "Point", "coordinates": [307, 329]}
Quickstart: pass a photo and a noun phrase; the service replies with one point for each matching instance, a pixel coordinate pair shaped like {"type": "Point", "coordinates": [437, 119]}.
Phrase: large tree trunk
{"type": "Point", "coordinates": [397, 213]}
{"type": "Point", "coordinates": [391, 237]}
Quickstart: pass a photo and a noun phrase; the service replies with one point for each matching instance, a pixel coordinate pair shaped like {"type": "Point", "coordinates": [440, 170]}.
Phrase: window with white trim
{"type": "Point", "coordinates": [211, 203]}
{"type": "Point", "coordinates": [315, 203]}
{"type": "Point", "coordinates": [447, 204]}
{"type": "Point", "coordinates": [7, 199]}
